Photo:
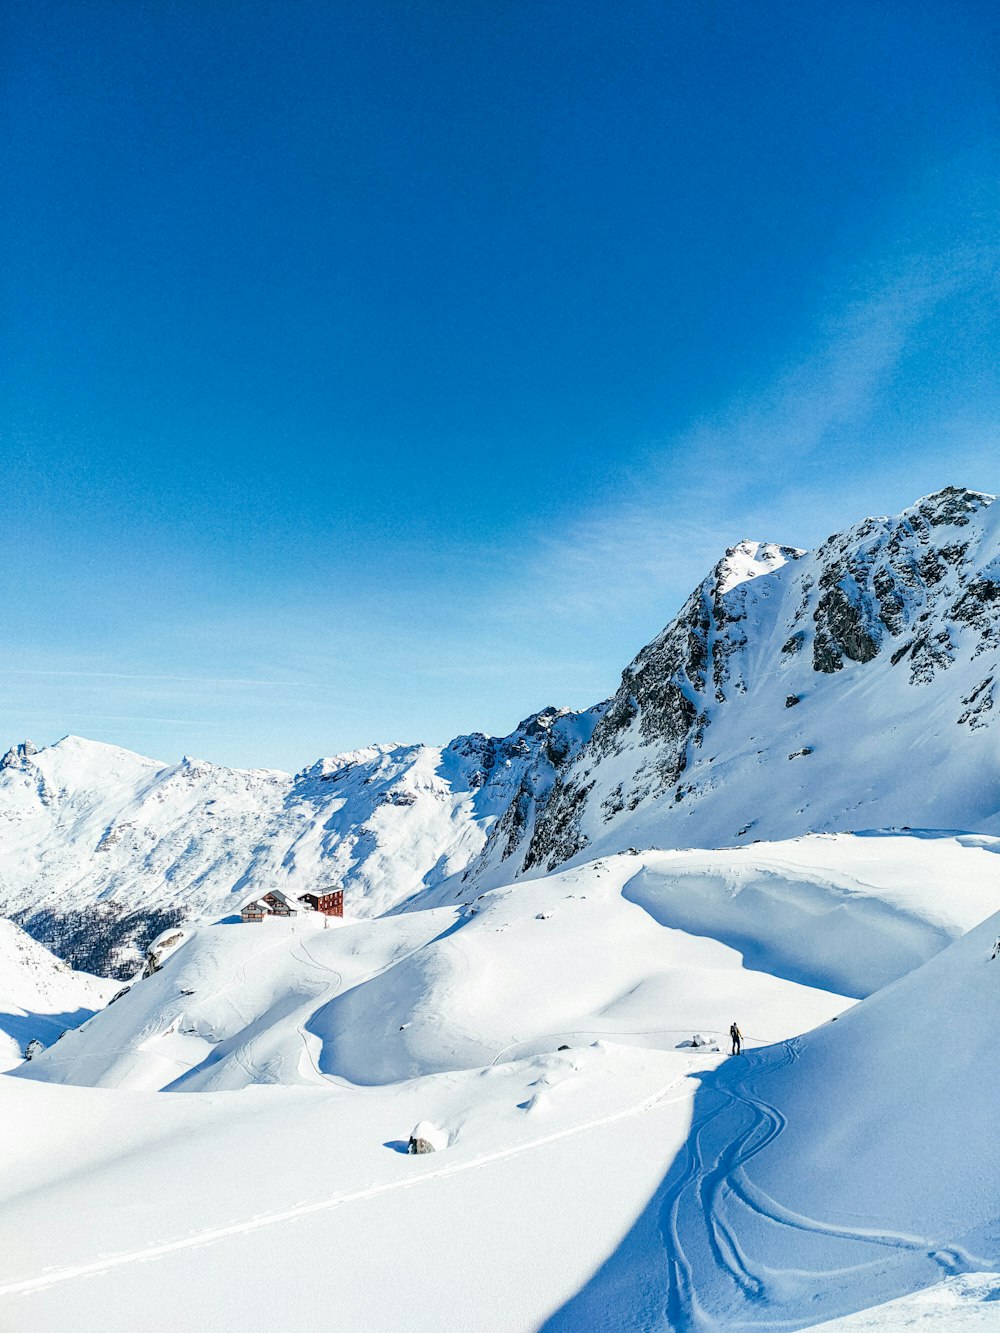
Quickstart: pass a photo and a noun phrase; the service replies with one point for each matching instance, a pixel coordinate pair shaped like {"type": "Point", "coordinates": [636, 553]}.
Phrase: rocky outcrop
{"type": "Point", "coordinates": [18, 755]}
{"type": "Point", "coordinates": [663, 706]}
{"type": "Point", "coordinates": [160, 950]}
{"type": "Point", "coordinates": [910, 596]}
{"type": "Point", "coordinates": [427, 1138]}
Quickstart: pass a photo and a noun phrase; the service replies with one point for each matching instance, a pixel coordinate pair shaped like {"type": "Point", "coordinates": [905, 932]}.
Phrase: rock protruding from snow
{"type": "Point", "coordinates": [427, 1138]}
{"type": "Point", "coordinates": [161, 949]}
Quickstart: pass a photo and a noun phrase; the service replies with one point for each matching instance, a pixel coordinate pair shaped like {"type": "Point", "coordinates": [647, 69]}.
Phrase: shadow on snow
{"type": "Point", "coordinates": [713, 1251]}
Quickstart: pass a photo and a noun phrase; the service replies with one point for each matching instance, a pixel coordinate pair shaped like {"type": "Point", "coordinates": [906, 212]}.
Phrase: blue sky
{"type": "Point", "coordinates": [391, 370]}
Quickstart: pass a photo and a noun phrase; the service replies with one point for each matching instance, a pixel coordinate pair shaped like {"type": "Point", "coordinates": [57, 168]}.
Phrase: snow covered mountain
{"type": "Point", "coordinates": [540, 964]}
{"type": "Point", "coordinates": [847, 688]}
{"type": "Point", "coordinates": [100, 848]}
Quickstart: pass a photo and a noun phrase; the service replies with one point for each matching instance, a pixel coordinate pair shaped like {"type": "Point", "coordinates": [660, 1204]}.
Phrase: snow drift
{"type": "Point", "coordinates": [646, 949]}
{"type": "Point", "coordinates": [832, 1172]}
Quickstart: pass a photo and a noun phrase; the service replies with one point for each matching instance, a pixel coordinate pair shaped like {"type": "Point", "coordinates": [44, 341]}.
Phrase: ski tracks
{"type": "Point", "coordinates": [697, 1199]}
{"type": "Point", "coordinates": [211, 1235]}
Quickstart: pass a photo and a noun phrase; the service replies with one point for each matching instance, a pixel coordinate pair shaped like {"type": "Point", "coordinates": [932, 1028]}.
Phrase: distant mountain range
{"type": "Point", "coordinates": [846, 688]}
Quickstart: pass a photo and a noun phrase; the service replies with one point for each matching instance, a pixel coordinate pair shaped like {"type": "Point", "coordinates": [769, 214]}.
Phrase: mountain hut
{"type": "Point", "coordinates": [330, 901]}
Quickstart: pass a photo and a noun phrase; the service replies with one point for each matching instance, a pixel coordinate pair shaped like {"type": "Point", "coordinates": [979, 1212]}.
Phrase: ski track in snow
{"type": "Point", "coordinates": [334, 988]}
{"type": "Point", "coordinates": [211, 1235]}
{"type": "Point", "coordinates": [708, 1177]}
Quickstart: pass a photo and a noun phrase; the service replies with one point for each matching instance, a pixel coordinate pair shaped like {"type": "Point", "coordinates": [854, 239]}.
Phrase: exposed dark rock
{"type": "Point", "coordinates": [402, 798]}
{"type": "Point", "coordinates": [978, 703]}
{"type": "Point", "coordinates": [841, 631]}
{"type": "Point", "coordinates": [18, 755]}
{"type": "Point", "coordinates": [792, 699]}
{"type": "Point", "coordinates": [105, 938]}
{"type": "Point", "coordinates": [930, 653]}
{"type": "Point", "coordinates": [557, 835]}
{"type": "Point", "coordinates": [155, 955]}
{"type": "Point", "coordinates": [951, 505]}
{"type": "Point", "coordinates": [614, 802]}
{"type": "Point", "coordinates": [978, 606]}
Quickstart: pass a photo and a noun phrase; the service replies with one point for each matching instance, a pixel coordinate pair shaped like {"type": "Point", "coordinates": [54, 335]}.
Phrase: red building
{"type": "Point", "coordinates": [330, 902]}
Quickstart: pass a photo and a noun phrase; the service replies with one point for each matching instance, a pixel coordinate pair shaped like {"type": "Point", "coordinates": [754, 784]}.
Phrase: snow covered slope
{"type": "Point", "coordinates": [830, 1173]}
{"type": "Point", "coordinates": [277, 1208]}
{"type": "Point", "coordinates": [566, 962]}
{"type": "Point", "coordinates": [599, 1173]}
{"type": "Point", "coordinates": [83, 823]}
{"type": "Point", "coordinates": [647, 949]}
{"type": "Point", "coordinates": [40, 997]}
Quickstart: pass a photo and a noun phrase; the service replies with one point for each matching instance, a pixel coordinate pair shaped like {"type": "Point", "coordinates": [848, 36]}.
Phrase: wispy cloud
{"type": "Point", "coordinates": [176, 680]}
{"type": "Point", "coordinates": [717, 479]}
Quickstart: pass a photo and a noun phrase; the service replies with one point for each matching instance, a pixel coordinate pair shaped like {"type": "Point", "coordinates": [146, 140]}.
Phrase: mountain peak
{"type": "Point", "coordinates": [748, 560]}
{"type": "Point", "coordinates": [951, 505]}
{"type": "Point", "coordinates": [540, 721]}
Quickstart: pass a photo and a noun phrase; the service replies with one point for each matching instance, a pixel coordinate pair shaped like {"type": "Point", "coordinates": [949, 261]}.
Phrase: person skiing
{"type": "Point", "coordinates": [737, 1037]}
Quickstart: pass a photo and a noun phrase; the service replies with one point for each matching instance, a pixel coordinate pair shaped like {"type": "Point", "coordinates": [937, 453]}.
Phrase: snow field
{"type": "Point", "coordinates": [628, 1182]}
{"type": "Point", "coordinates": [607, 950]}
{"type": "Point", "coordinates": [365, 1228]}
{"type": "Point", "coordinates": [840, 1169]}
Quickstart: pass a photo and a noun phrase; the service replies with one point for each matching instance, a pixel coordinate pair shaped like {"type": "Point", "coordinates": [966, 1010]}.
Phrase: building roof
{"type": "Point", "coordinates": [257, 901]}
{"type": "Point", "coordinates": [282, 897]}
